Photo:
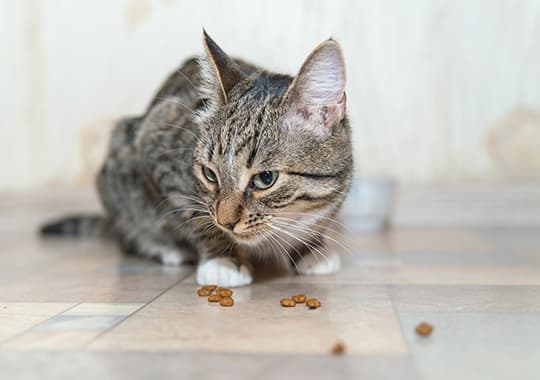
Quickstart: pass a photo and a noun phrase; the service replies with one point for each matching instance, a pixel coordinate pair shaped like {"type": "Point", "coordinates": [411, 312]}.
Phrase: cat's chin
{"type": "Point", "coordinates": [251, 240]}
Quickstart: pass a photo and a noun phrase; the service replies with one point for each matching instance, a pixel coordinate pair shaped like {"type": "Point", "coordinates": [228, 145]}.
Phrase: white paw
{"type": "Point", "coordinates": [223, 272]}
{"type": "Point", "coordinates": [168, 256]}
{"type": "Point", "coordinates": [171, 258]}
{"type": "Point", "coordinates": [314, 263]}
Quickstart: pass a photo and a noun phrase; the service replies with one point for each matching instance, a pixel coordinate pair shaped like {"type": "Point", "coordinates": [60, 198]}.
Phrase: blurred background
{"type": "Point", "coordinates": [444, 102]}
{"type": "Point", "coordinates": [443, 96]}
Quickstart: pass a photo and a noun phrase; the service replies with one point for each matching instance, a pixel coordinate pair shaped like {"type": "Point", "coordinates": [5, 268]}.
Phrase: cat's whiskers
{"type": "Point", "coordinates": [310, 231]}
{"type": "Point", "coordinates": [209, 225]}
{"type": "Point", "coordinates": [274, 237]}
{"type": "Point", "coordinates": [192, 202]}
{"type": "Point", "coordinates": [190, 220]}
{"type": "Point", "coordinates": [302, 241]}
{"type": "Point", "coordinates": [299, 223]}
{"type": "Point", "coordinates": [287, 255]}
{"type": "Point", "coordinates": [281, 259]}
{"type": "Point", "coordinates": [186, 208]}
{"type": "Point", "coordinates": [342, 248]}
{"type": "Point", "coordinates": [185, 196]}
{"type": "Point", "coordinates": [276, 256]}
{"type": "Point", "coordinates": [230, 247]}
{"type": "Point", "coordinates": [332, 220]}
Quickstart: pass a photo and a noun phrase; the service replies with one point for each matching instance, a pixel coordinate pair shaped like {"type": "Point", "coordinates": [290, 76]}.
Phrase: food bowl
{"type": "Point", "coordinates": [368, 206]}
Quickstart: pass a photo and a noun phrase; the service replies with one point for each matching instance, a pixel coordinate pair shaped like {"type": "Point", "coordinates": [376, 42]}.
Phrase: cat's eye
{"type": "Point", "coordinates": [210, 175]}
{"type": "Point", "coordinates": [264, 180]}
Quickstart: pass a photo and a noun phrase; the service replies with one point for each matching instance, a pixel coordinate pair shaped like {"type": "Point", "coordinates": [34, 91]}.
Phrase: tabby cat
{"type": "Point", "coordinates": [230, 161]}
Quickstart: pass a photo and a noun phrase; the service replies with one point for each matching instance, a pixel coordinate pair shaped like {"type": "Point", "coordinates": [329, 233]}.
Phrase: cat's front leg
{"type": "Point", "coordinates": [318, 261]}
{"type": "Point", "coordinates": [226, 271]}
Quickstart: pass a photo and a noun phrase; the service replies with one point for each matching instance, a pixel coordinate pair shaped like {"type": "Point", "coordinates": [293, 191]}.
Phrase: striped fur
{"type": "Point", "coordinates": [238, 120]}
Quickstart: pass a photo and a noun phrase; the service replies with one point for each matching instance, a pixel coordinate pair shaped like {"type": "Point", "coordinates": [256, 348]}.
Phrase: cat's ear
{"type": "Point", "coordinates": [220, 71]}
{"type": "Point", "coordinates": [317, 93]}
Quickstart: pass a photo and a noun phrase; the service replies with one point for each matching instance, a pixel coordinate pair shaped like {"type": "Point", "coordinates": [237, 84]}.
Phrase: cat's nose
{"type": "Point", "coordinates": [228, 214]}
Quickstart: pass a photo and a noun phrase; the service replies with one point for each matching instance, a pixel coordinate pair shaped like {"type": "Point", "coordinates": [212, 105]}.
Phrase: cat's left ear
{"type": "Point", "coordinates": [317, 93]}
{"type": "Point", "coordinates": [220, 71]}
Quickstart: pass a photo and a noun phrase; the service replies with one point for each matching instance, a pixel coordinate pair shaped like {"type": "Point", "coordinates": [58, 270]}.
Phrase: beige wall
{"type": "Point", "coordinates": [438, 90]}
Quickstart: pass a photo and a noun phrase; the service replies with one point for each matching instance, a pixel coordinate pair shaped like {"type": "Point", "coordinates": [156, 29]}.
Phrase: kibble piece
{"type": "Point", "coordinates": [224, 292]}
{"type": "Point", "coordinates": [299, 298]}
{"type": "Point", "coordinates": [214, 298]}
{"type": "Point", "coordinates": [338, 349]}
{"type": "Point", "coordinates": [287, 302]}
{"type": "Point", "coordinates": [210, 288]}
{"type": "Point", "coordinates": [313, 303]}
{"type": "Point", "coordinates": [203, 292]}
{"type": "Point", "coordinates": [424, 329]}
{"type": "Point", "coordinates": [226, 301]}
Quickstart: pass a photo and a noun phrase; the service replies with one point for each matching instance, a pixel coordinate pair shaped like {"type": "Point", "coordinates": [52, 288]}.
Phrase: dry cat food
{"type": "Point", "coordinates": [313, 303]}
{"type": "Point", "coordinates": [424, 329]}
{"type": "Point", "coordinates": [215, 294]}
{"type": "Point", "coordinates": [287, 302]}
{"type": "Point", "coordinates": [211, 288]}
{"type": "Point", "coordinates": [338, 349]}
{"type": "Point", "coordinates": [226, 301]}
{"type": "Point", "coordinates": [224, 292]}
{"type": "Point", "coordinates": [203, 292]}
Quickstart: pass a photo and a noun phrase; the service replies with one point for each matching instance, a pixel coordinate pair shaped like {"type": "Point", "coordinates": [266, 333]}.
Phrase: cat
{"type": "Point", "coordinates": [230, 161]}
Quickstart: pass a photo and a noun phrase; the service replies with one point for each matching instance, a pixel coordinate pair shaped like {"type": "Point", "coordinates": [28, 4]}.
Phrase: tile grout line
{"type": "Point", "coordinates": [410, 354]}
{"type": "Point", "coordinates": [107, 330]}
{"type": "Point", "coordinates": [10, 339]}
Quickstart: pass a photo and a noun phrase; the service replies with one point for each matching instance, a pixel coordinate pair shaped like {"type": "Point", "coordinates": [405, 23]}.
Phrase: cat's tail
{"type": "Point", "coordinates": [77, 226]}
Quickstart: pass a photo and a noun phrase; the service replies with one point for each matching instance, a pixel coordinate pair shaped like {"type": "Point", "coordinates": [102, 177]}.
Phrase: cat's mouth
{"type": "Point", "coordinates": [245, 237]}
{"type": "Point", "coordinates": [249, 236]}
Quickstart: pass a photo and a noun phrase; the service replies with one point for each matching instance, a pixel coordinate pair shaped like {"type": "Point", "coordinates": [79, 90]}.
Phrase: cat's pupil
{"type": "Point", "coordinates": [266, 177]}
{"type": "Point", "coordinates": [264, 180]}
{"type": "Point", "coordinates": [209, 174]}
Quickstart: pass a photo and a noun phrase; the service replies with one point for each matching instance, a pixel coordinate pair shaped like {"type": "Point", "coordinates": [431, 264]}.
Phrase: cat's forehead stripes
{"type": "Point", "coordinates": [239, 134]}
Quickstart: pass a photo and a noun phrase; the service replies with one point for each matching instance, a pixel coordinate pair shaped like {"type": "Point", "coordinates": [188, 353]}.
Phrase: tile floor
{"type": "Point", "coordinates": [80, 309]}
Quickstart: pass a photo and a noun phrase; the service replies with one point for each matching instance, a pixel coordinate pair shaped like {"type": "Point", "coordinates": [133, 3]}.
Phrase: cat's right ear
{"type": "Point", "coordinates": [317, 94]}
{"type": "Point", "coordinates": [220, 72]}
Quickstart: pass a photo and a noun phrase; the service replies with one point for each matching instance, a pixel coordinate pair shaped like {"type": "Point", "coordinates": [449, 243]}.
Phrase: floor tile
{"type": "Point", "coordinates": [17, 317]}
{"type": "Point", "coordinates": [465, 298]}
{"type": "Point", "coordinates": [194, 365]}
{"type": "Point", "coordinates": [94, 279]}
{"type": "Point", "coordinates": [421, 239]}
{"type": "Point", "coordinates": [80, 323]}
{"type": "Point", "coordinates": [75, 327]}
{"type": "Point", "coordinates": [485, 345]}
{"type": "Point", "coordinates": [105, 309]}
{"type": "Point", "coordinates": [362, 316]}
{"type": "Point", "coordinates": [76, 308]}
{"type": "Point", "coordinates": [358, 273]}
{"type": "Point", "coordinates": [46, 340]}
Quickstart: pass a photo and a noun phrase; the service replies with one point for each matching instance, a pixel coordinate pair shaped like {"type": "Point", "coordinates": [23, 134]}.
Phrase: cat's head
{"type": "Point", "coordinates": [272, 149]}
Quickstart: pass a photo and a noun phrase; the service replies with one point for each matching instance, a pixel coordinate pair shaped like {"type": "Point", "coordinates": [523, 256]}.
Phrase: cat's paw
{"type": "Point", "coordinates": [223, 271]}
{"type": "Point", "coordinates": [168, 256]}
{"type": "Point", "coordinates": [315, 264]}
{"type": "Point", "coordinates": [172, 258]}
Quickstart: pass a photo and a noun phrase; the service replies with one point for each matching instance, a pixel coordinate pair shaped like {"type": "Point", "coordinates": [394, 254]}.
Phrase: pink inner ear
{"type": "Point", "coordinates": [306, 113]}
{"type": "Point", "coordinates": [333, 112]}
{"type": "Point", "coordinates": [342, 106]}
{"type": "Point", "coordinates": [322, 118]}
